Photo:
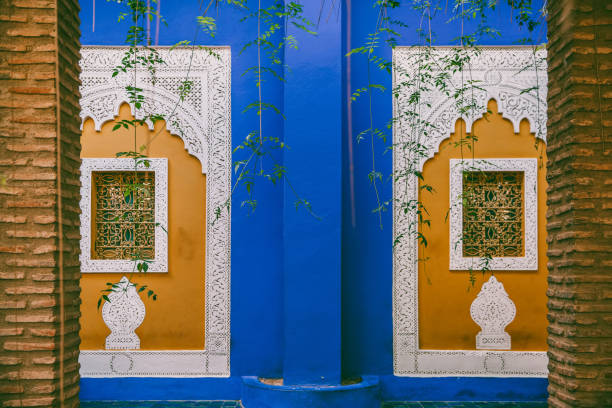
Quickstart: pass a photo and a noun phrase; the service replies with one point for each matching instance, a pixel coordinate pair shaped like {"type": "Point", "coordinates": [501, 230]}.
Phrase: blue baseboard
{"type": "Point", "coordinates": [392, 388]}
{"type": "Point", "coordinates": [160, 389]}
{"type": "Point", "coordinates": [462, 389]}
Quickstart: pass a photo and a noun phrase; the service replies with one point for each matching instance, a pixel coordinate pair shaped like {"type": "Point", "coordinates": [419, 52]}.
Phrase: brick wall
{"type": "Point", "coordinates": [39, 236]}
{"type": "Point", "coordinates": [580, 203]}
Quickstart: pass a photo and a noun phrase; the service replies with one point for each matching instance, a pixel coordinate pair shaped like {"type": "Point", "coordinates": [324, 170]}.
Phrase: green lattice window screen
{"type": "Point", "coordinates": [124, 215]}
{"type": "Point", "coordinates": [493, 214]}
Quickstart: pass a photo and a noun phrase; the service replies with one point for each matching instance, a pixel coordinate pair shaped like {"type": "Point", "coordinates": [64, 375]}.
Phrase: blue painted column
{"type": "Point", "coordinates": [312, 247]}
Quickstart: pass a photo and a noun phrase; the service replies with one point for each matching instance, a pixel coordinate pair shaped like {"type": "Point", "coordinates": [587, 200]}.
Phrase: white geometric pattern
{"type": "Point", "coordinates": [123, 313]}
{"type": "Point", "coordinates": [203, 121]}
{"type": "Point", "coordinates": [502, 73]}
{"type": "Point", "coordinates": [493, 310]}
{"type": "Point", "coordinates": [157, 165]}
{"type": "Point", "coordinates": [529, 167]}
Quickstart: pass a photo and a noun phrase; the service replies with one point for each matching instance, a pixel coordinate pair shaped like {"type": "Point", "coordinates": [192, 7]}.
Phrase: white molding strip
{"type": "Point", "coordinates": [170, 363]}
{"type": "Point", "coordinates": [502, 73]}
{"type": "Point", "coordinates": [157, 165]}
{"type": "Point", "coordinates": [203, 121]}
{"type": "Point", "coordinates": [529, 167]}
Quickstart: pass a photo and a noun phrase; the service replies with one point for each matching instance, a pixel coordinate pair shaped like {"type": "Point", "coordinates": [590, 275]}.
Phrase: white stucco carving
{"type": "Point", "coordinates": [529, 167]}
{"type": "Point", "coordinates": [203, 121]}
{"type": "Point", "coordinates": [493, 310]}
{"type": "Point", "coordinates": [502, 73]}
{"type": "Point", "coordinates": [160, 167]}
{"type": "Point", "coordinates": [123, 313]}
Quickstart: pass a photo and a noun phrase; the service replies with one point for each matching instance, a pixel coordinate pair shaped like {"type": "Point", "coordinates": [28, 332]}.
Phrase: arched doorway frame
{"type": "Point", "coordinates": [501, 73]}
{"type": "Point", "coordinates": [203, 121]}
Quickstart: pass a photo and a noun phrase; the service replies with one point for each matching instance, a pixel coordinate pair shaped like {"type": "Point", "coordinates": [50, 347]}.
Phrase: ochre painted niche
{"type": "Point", "coordinates": [445, 296]}
{"type": "Point", "coordinates": [176, 320]}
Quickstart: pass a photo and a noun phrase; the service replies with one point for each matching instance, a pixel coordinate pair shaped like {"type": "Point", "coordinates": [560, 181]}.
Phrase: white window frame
{"type": "Point", "coordinates": [159, 166]}
{"type": "Point", "coordinates": [529, 261]}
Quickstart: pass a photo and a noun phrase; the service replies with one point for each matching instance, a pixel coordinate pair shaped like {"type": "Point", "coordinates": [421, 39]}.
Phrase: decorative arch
{"type": "Point", "coordinates": [102, 103]}
{"type": "Point", "coordinates": [503, 74]}
{"type": "Point", "coordinates": [202, 119]}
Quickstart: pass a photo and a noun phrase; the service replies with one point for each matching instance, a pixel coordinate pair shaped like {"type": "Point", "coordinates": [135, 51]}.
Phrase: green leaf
{"type": "Point", "coordinates": [208, 25]}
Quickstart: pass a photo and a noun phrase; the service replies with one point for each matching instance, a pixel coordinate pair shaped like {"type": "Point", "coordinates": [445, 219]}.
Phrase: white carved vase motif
{"type": "Point", "coordinates": [123, 314]}
{"type": "Point", "coordinates": [493, 310]}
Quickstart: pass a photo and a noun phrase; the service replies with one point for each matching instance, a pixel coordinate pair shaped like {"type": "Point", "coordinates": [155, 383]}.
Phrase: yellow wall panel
{"type": "Point", "coordinates": [445, 296]}
{"type": "Point", "coordinates": [176, 319]}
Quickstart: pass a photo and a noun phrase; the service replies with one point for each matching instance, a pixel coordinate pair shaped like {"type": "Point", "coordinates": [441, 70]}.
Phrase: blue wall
{"type": "Point", "coordinates": [285, 263]}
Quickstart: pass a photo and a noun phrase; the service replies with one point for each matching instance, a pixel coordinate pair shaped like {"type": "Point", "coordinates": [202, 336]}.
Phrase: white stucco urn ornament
{"type": "Point", "coordinates": [493, 310]}
{"type": "Point", "coordinates": [123, 314]}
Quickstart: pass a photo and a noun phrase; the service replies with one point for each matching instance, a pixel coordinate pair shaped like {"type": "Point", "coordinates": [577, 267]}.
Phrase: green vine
{"type": "Point", "coordinates": [431, 73]}
{"type": "Point", "coordinates": [259, 146]}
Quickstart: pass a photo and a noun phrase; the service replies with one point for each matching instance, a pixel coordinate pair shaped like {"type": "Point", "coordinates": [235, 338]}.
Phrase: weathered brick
{"type": "Point", "coordinates": [31, 262]}
{"type": "Point", "coordinates": [13, 18]}
{"type": "Point", "coordinates": [579, 239]}
{"type": "Point", "coordinates": [13, 249]}
{"type": "Point", "coordinates": [31, 234]}
{"type": "Point", "coordinates": [11, 190]}
{"type": "Point", "coordinates": [11, 389]}
{"type": "Point", "coordinates": [39, 90]}
{"type": "Point", "coordinates": [42, 388]}
{"type": "Point", "coordinates": [38, 374]}
{"type": "Point", "coordinates": [31, 317]}
{"type": "Point", "coordinates": [29, 290]}
{"type": "Point", "coordinates": [30, 204]}
{"type": "Point", "coordinates": [43, 303]}
{"type": "Point", "coordinates": [12, 304]}
{"type": "Point", "coordinates": [44, 219]}
{"type": "Point", "coordinates": [31, 148]}
{"type": "Point", "coordinates": [45, 360]}
{"type": "Point", "coordinates": [30, 62]}
{"type": "Point", "coordinates": [10, 361]}
{"type": "Point", "coordinates": [29, 346]}
{"type": "Point", "coordinates": [39, 58]}
{"type": "Point", "coordinates": [30, 402]}
{"type": "Point", "coordinates": [11, 331]}
{"type": "Point", "coordinates": [44, 162]}
{"type": "Point", "coordinates": [43, 277]}
{"type": "Point", "coordinates": [13, 219]}
{"type": "Point", "coordinates": [45, 5]}
{"type": "Point", "coordinates": [43, 332]}
{"type": "Point", "coordinates": [12, 275]}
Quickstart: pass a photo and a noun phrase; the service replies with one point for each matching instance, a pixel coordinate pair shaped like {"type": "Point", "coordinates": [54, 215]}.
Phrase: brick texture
{"type": "Point", "coordinates": [39, 195]}
{"type": "Point", "coordinates": [580, 203]}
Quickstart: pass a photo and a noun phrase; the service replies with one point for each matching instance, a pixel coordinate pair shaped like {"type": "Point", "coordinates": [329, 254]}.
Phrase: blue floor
{"type": "Point", "coordinates": [236, 404]}
{"type": "Point", "coordinates": [437, 404]}
{"type": "Point", "coordinates": [161, 404]}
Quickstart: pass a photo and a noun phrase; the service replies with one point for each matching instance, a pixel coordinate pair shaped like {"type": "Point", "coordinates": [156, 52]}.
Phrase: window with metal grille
{"type": "Point", "coordinates": [493, 214]}
{"type": "Point", "coordinates": [124, 215]}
